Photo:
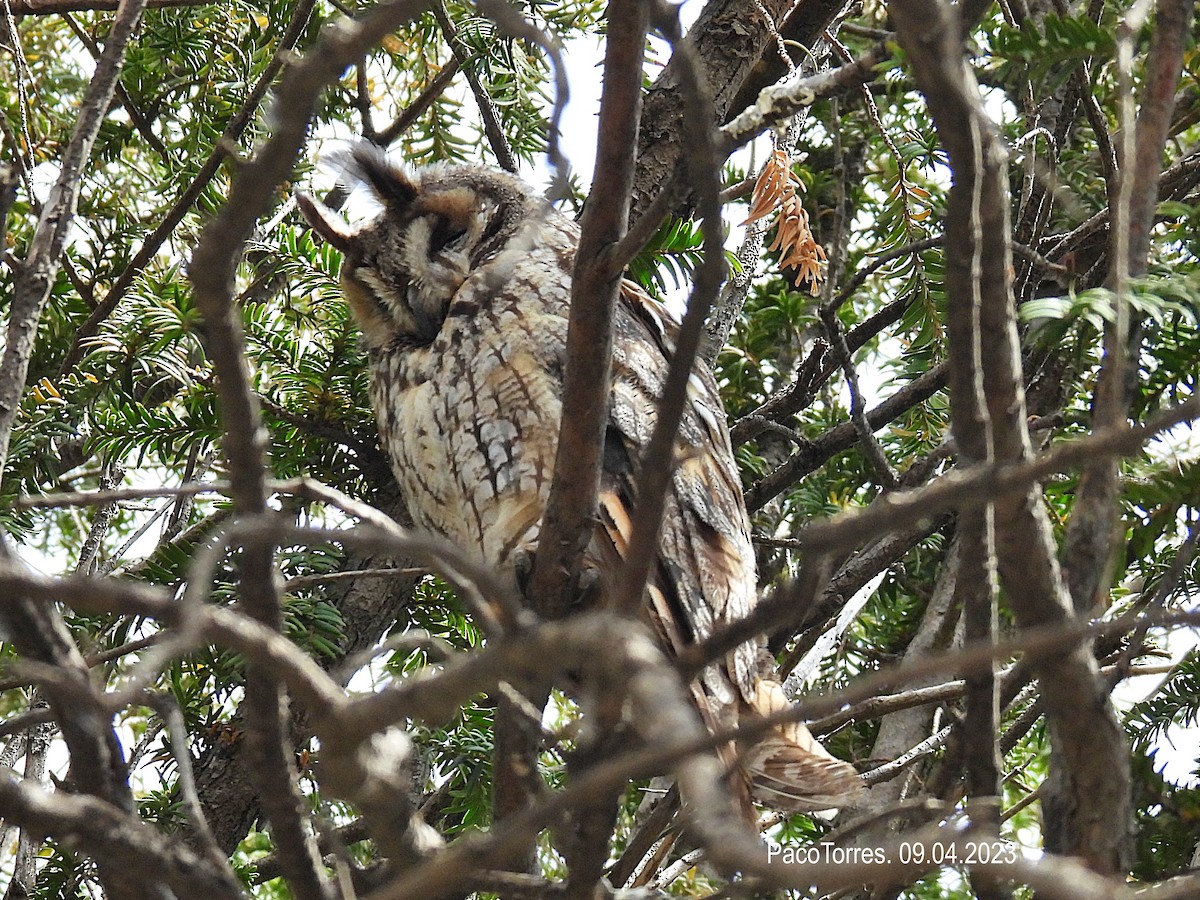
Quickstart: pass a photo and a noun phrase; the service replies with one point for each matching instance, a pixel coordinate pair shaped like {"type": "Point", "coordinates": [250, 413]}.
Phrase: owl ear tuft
{"type": "Point", "coordinates": [389, 182]}
{"type": "Point", "coordinates": [325, 222]}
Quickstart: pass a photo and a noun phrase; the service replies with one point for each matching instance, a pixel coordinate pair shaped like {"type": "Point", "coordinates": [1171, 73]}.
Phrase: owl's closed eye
{"type": "Point", "coordinates": [402, 271]}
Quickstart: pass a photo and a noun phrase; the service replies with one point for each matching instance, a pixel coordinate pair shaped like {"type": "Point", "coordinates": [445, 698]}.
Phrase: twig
{"type": "Point", "coordinates": [492, 127]}
{"type": "Point", "coordinates": [208, 171]}
{"type": "Point", "coordinates": [844, 436]}
{"type": "Point", "coordinates": [417, 108]}
{"type": "Point", "coordinates": [304, 581]}
{"type": "Point", "coordinates": [893, 768]}
{"type": "Point", "coordinates": [172, 717]}
{"type": "Point", "coordinates": [786, 402]}
{"type": "Point", "coordinates": [657, 462]}
{"type": "Point", "coordinates": [119, 495]}
{"type": "Point", "coordinates": [32, 284]}
{"type": "Point", "coordinates": [860, 276]}
{"type": "Point", "coordinates": [101, 521]}
{"type": "Point", "coordinates": [866, 436]}
{"type": "Point", "coordinates": [135, 114]}
{"type": "Point", "coordinates": [885, 704]}
{"type": "Point", "coordinates": [511, 21]}
{"type": "Point", "coordinates": [118, 839]}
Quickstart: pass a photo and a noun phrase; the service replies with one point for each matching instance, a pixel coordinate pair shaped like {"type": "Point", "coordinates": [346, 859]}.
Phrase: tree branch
{"type": "Point", "coordinates": [842, 437]}
{"type": "Point", "coordinates": [165, 228]}
{"type": "Point", "coordinates": [1089, 758]}
{"type": "Point", "coordinates": [212, 271]}
{"type": "Point", "coordinates": [34, 280]}
{"type": "Point", "coordinates": [1091, 534]}
{"type": "Point", "coordinates": [57, 7]}
{"type": "Point", "coordinates": [657, 465]}
{"type": "Point", "coordinates": [117, 839]}
{"type": "Point", "coordinates": [567, 522]}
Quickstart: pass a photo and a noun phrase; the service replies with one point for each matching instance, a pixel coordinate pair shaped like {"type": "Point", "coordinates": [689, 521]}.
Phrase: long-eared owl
{"type": "Point", "coordinates": [461, 287]}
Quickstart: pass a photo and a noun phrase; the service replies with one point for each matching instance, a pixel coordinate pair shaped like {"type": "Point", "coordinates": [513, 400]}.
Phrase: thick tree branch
{"type": "Point", "coordinates": [117, 839]}
{"type": "Point", "coordinates": [657, 465]}
{"type": "Point", "coordinates": [729, 40]}
{"type": "Point", "coordinates": [1089, 757]}
{"type": "Point", "coordinates": [567, 522]}
{"type": "Point", "coordinates": [212, 271]}
{"type": "Point", "coordinates": [1091, 535]}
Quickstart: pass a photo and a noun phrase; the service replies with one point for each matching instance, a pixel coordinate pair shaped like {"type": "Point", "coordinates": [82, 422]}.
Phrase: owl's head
{"type": "Point", "coordinates": [438, 226]}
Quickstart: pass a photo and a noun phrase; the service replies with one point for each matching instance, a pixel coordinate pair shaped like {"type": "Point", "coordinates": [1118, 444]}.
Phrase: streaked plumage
{"type": "Point", "coordinates": [461, 287]}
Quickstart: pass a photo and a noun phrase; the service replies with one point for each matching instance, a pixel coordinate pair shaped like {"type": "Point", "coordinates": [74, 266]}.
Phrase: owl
{"type": "Point", "coordinates": [461, 288]}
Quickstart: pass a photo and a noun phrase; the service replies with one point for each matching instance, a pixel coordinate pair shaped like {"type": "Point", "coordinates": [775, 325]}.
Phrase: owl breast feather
{"type": "Point", "coordinates": [471, 420]}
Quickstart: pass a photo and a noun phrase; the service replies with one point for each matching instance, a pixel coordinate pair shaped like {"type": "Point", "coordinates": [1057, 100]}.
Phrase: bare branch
{"type": "Point", "coordinates": [843, 437]}
{"type": "Point", "coordinates": [1091, 536]}
{"type": "Point", "coordinates": [865, 272]}
{"type": "Point", "coordinates": [487, 109]}
{"type": "Point", "coordinates": [1089, 760]}
{"type": "Point", "coordinates": [416, 109]}
{"type": "Point", "coordinates": [964, 487]}
{"type": "Point", "coordinates": [57, 7]}
{"type": "Point", "coordinates": [135, 115]}
{"type": "Point", "coordinates": [32, 284]}
{"type": "Point", "coordinates": [511, 20]}
{"type": "Point", "coordinates": [213, 624]}
{"type": "Point", "coordinates": [567, 521]}
{"type": "Point", "coordinates": [657, 463]}
{"type": "Point", "coordinates": [170, 221]}
{"type": "Point", "coordinates": [117, 839]}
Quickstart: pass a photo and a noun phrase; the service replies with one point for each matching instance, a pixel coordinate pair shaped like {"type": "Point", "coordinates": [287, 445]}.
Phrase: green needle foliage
{"type": "Point", "coordinates": [121, 393]}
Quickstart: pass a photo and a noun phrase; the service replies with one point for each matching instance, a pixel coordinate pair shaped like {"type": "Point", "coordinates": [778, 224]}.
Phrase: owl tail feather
{"type": "Point", "coordinates": [789, 770]}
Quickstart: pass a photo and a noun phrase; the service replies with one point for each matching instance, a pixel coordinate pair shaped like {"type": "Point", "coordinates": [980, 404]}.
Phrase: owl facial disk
{"type": "Point", "coordinates": [403, 270]}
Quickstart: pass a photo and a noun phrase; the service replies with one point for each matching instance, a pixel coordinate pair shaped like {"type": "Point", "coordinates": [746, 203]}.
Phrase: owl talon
{"type": "Point", "coordinates": [589, 588]}
{"type": "Point", "coordinates": [588, 591]}
{"type": "Point", "coordinates": [523, 561]}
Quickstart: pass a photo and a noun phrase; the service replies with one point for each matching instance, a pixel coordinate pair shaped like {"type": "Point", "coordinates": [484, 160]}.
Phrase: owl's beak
{"type": "Point", "coordinates": [325, 222]}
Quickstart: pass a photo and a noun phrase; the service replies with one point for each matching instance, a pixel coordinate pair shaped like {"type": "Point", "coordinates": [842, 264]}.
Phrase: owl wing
{"type": "Point", "coordinates": [704, 575]}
